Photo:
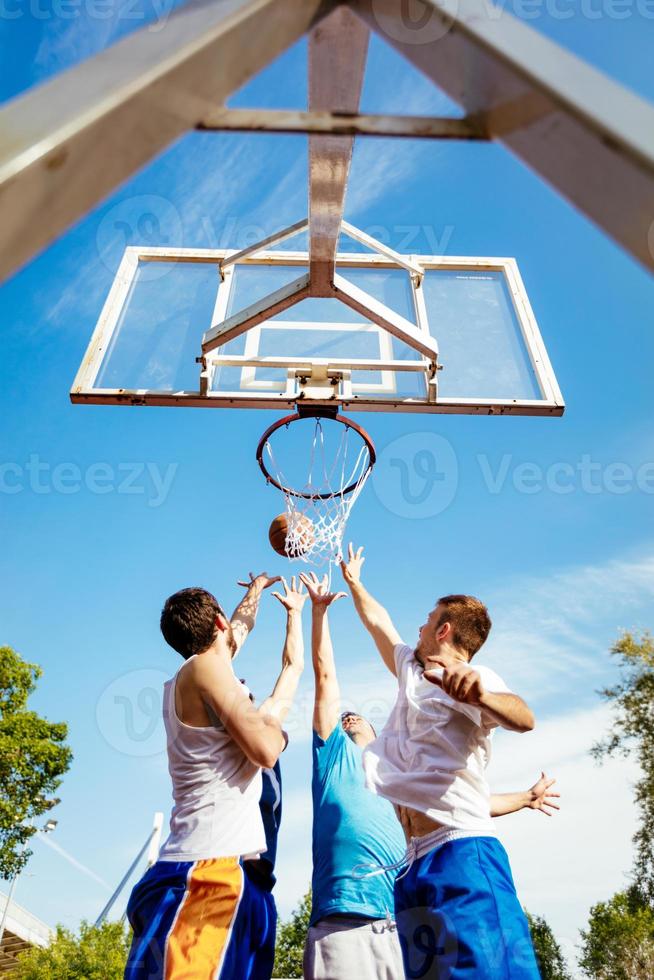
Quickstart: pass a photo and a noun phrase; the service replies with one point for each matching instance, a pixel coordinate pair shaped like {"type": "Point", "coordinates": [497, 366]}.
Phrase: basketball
{"type": "Point", "coordinates": [302, 539]}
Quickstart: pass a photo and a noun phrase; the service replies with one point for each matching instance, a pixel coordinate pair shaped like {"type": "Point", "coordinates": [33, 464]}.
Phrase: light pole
{"type": "Point", "coordinates": [49, 826]}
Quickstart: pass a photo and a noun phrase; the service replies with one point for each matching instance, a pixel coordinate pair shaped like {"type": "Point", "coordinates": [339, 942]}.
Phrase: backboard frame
{"type": "Point", "coordinates": [334, 374]}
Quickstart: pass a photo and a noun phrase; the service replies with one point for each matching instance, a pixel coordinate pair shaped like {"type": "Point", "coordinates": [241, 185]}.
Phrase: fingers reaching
{"type": "Point", "coordinates": [318, 589]}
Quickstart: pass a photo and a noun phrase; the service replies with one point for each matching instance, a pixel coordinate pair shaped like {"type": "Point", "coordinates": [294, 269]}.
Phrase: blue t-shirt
{"type": "Point", "coordinates": [351, 826]}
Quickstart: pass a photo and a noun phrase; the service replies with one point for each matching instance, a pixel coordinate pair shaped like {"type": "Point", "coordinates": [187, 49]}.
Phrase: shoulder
{"type": "Point", "coordinates": [404, 655]}
{"type": "Point", "coordinates": [336, 739]}
{"type": "Point", "coordinates": [207, 665]}
{"type": "Point", "coordinates": [329, 752]}
{"type": "Point", "coordinates": [213, 676]}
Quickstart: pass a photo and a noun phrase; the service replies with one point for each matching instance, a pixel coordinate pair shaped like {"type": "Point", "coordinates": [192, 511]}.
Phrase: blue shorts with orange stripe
{"type": "Point", "coordinates": [200, 920]}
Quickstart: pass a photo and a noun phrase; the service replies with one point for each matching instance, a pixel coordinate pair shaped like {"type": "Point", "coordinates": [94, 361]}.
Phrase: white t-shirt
{"type": "Point", "coordinates": [433, 751]}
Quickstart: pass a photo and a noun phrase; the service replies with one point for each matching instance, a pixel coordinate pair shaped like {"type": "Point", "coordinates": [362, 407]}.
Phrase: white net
{"type": "Point", "coordinates": [318, 509]}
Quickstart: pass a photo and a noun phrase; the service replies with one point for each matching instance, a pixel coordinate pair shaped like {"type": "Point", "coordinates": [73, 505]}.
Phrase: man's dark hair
{"type": "Point", "coordinates": [188, 621]}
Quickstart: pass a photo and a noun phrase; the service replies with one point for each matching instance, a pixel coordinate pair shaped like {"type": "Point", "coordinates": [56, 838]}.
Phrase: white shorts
{"type": "Point", "coordinates": [346, 947]}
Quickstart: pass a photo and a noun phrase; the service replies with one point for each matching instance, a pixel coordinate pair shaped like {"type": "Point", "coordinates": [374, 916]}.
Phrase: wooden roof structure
{"type": "Point", "coordinates": [68, 143]}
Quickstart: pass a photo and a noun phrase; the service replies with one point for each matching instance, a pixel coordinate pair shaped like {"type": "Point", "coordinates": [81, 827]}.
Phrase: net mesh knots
{"type": "Point", "coordinates": [317, 513]}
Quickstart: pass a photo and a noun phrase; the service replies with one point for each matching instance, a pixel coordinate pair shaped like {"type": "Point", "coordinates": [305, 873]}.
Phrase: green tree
{"type": "Point", "coordinates": [96, 953]}
{"type": "Point", "coordinates": [33, 757]}
{"type": "Point", "coordinates": [549, 956]}
{"type": "Point", "coordinates": [632, 733]}
{"type": "Point", "coordinates": [291, 936]}
{"type": "Point", "coordinates": [619, 941]}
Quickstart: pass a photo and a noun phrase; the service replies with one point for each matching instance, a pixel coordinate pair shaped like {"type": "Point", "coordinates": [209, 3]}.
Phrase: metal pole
{"type": "Point", "coordinates": [155, 842]}
{"type": "Point", "coordinates": [152, 846]}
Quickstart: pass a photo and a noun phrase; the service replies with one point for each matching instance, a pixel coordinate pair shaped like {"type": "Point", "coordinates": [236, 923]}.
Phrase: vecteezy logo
{"type": "Point", "coordinates": [129, 715]}
{"type": "Point", "coordinates": [430, 942]}
{"type": "Point", "coordinates": [146, 219]}
{"type": "Point", "coordinates": [412, 21]}
{"type": "Point", "coordinates": [416, 476]}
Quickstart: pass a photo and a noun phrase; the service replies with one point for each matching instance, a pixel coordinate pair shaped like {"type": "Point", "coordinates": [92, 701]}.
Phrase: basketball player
{"type": "Point", "coordinates": [352, 933]}
{"type": "Point", "coordinates": [195, 912]}
{"type": "Point", "coordinates": [352, 928]}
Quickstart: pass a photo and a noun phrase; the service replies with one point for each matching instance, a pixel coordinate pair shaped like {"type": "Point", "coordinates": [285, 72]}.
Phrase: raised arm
{"type": "Point", "coordinates": [257, 732]}
{"type": "Point", "coordinates": [279, 702]}
{"type": "Point", "coordinates": [538, 797]}
{"type": "Point", "coordinates": [371, 613]}
{"type": "Point", "coordinates": [245, 614]}
{"type": "Point", "coordinates": [326, 703]}
{"type": "Point", "coordinates": [463, 683]}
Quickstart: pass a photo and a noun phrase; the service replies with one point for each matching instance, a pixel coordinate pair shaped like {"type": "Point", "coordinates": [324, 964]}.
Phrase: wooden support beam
{"type": "Point", "coordinates": [307, 363]}
{"type": "Point", "coordinates": [372, 309]}
{"type": "Point", "coordinates": [589, 137]}
{"type": "Point", "coordinates": [340, 124]}
{"type": "Point", "coordinates": [337, 56]}
{"type": "Point", "coordinates": [68, 143]}
{"type": "Point", "coordinates": [274, 239]}
{"type": "Point", "coordinates": [403, 261]}
{"type": "Point", "coordinates": [263, 309]}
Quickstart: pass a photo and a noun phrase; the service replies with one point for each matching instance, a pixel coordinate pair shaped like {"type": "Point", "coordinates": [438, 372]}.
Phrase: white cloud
{"type": "Point", "coordinates": [552, 633]}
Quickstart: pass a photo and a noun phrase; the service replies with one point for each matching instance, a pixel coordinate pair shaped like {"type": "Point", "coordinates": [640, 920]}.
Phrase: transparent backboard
{"type": "Point", "coordinates": [484, 349]}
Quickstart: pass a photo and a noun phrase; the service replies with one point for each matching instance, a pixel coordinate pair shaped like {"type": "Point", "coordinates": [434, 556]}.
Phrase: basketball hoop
{"type": "Point", "coordinates": [319, 495]}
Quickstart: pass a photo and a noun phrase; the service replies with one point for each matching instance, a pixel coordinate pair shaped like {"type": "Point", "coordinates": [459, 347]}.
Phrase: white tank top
{"type": "Point", "coordinates": [216, 791]}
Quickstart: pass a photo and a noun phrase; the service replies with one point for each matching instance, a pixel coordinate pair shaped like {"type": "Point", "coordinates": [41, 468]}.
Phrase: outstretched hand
{"type": "Point", "coordinates": [351, 568]}
{"type": "Point", "coordinates": [262, 580]}
{"type": "Point", "coordinates": [294, 596]}
{"type": "Point", "coordinates": [541, 798]}
{"type": "Point", "coordinates": [318, 590]}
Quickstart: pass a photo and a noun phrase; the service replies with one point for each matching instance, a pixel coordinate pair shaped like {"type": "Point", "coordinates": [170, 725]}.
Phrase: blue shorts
{"type": "Point", "coordinates": [203, 920]}
{"type": "Point", "coordinates": [458, 915]}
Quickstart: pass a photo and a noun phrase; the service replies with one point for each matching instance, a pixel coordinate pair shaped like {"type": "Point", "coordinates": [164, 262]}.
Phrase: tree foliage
{"type": "Point", "coordinates": [291, 937]}
{"type": "Point", "coordinates": [96, 953]}
{"type": "Point", "coordinates": [619, 941]}
{"type": "Point", "coordinates": [33, 757]}
{"type": "Point", "coordinates": [549, 956]}
{"type": "Point", "coordinates": [632, 733]}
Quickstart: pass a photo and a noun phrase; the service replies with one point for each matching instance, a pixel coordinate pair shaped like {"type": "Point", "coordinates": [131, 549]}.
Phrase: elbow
{"type": "Point", "coordinates": [268, 758]}
{"type": "Point", "coordinates": [528, 724]}
{"type": "Point", "coordinates": [264, 757]}
{"type": "Point", "coordinates": [267, 753]}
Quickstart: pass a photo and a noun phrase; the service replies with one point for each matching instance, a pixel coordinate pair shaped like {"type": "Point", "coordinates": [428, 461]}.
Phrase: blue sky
{"type": "Point", "coordinates": [84, 573]}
